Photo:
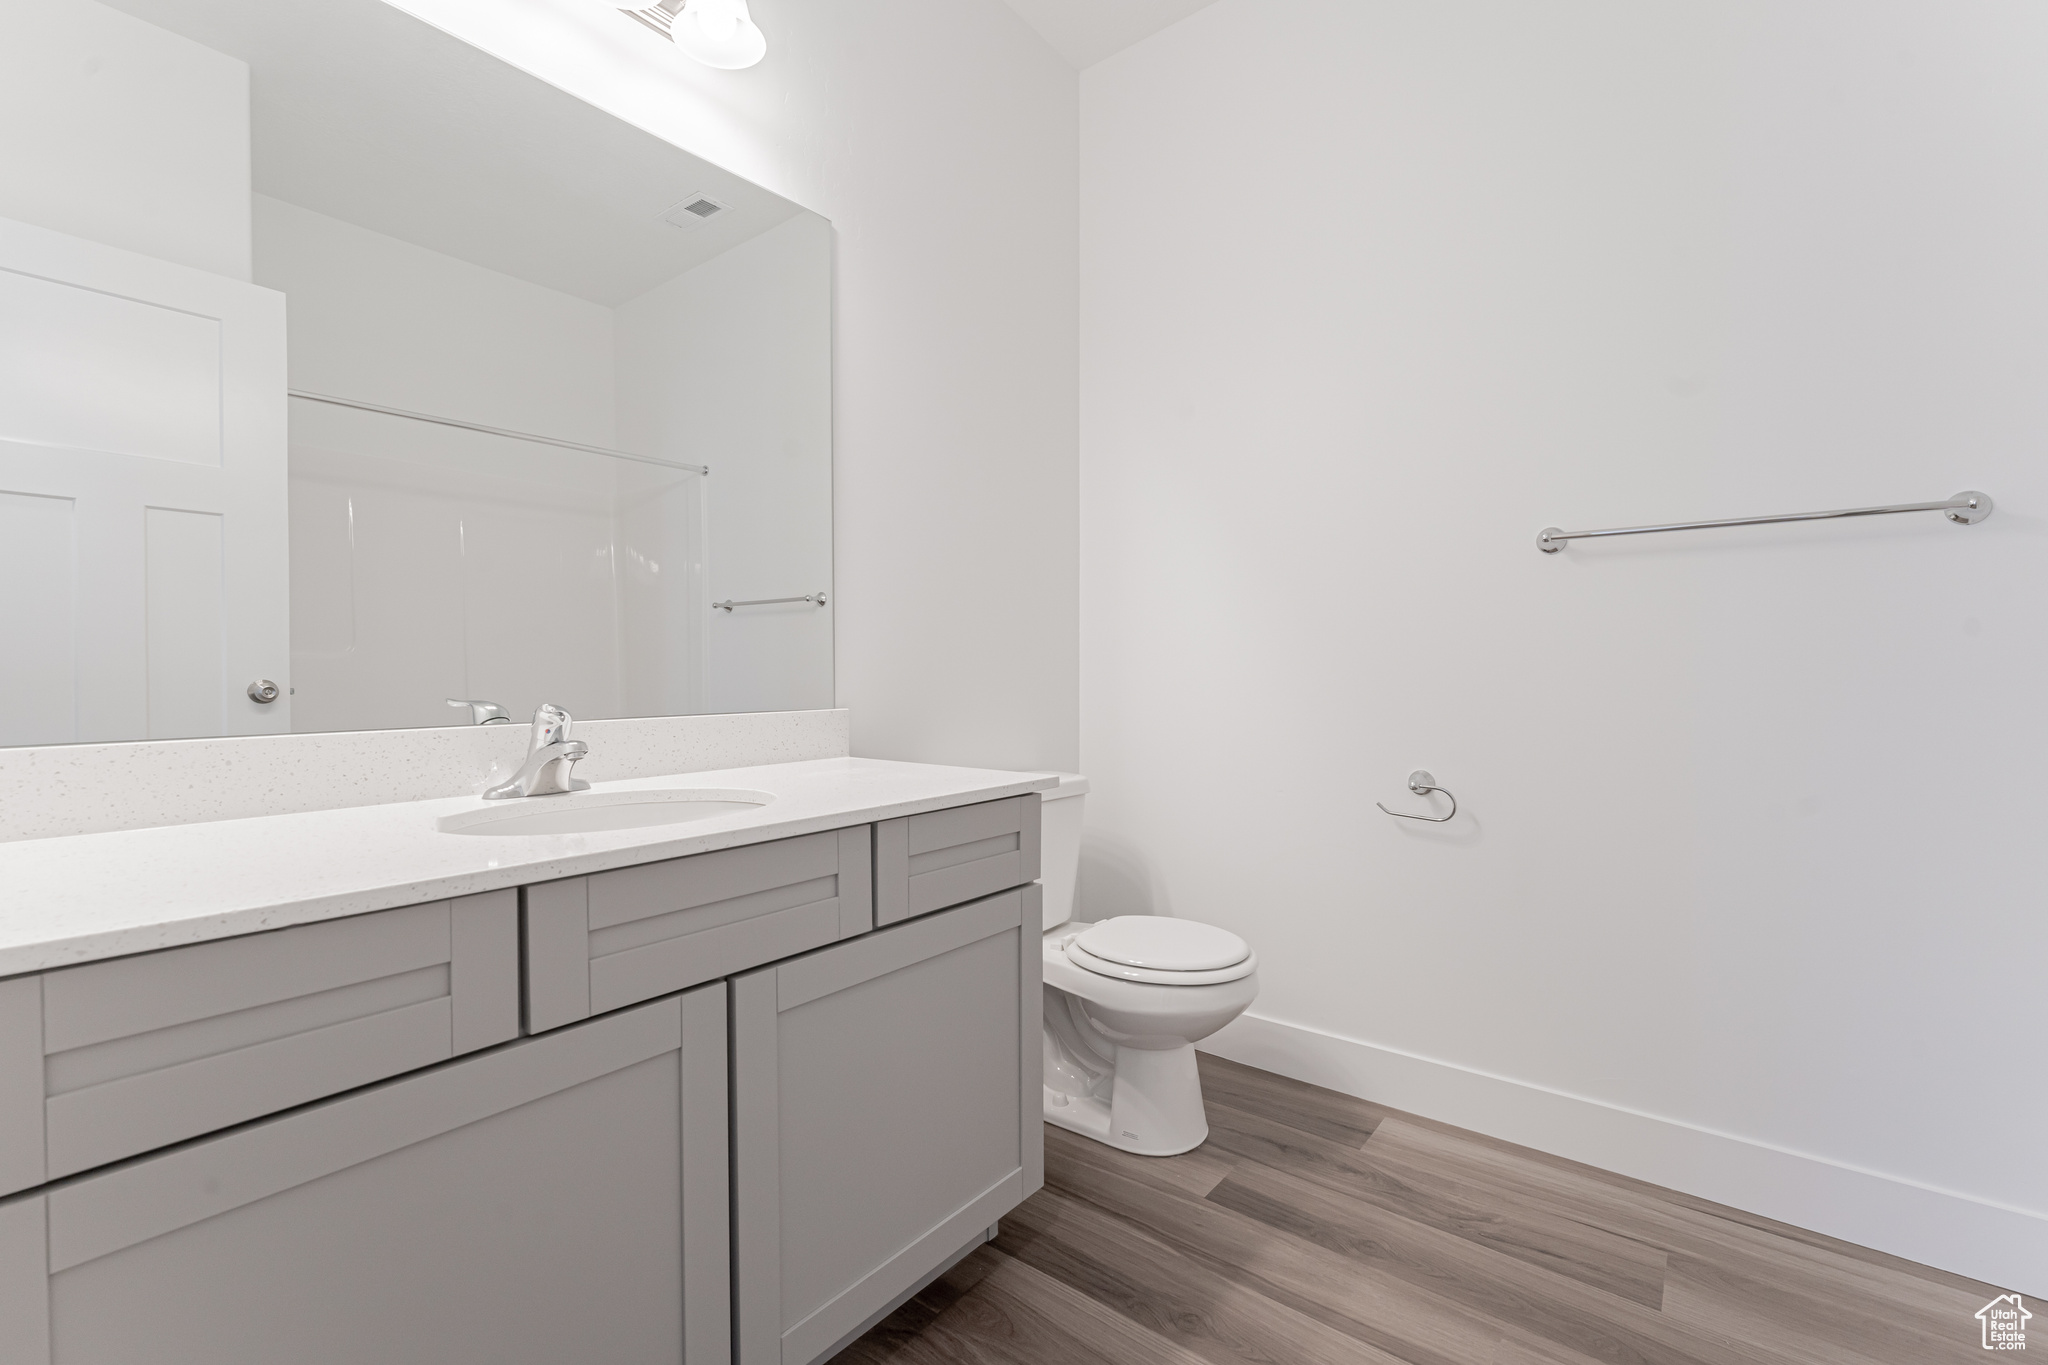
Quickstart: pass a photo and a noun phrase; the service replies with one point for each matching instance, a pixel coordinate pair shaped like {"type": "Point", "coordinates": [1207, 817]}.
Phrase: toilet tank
{"type": "Point", "coordinates": [1059, 849]}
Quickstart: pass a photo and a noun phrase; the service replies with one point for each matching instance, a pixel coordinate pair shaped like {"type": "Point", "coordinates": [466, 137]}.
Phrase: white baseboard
{"type": "Point", "coordinates": [2003, 1246]}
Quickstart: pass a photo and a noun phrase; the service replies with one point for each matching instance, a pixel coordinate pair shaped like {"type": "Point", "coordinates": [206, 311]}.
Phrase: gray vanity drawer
{"type": "Point", "coordinates": [948, 857]}
{"type": "Point", "coordinates": [613, 939]}
{"type": "Point", "coordinates": [111, 1059]}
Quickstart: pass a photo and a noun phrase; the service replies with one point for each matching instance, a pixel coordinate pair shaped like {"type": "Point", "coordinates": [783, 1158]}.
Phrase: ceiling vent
{"type": "Point", "coordinates": [694, 211]}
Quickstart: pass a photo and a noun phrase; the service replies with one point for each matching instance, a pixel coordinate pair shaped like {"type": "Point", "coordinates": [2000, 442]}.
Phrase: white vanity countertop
{"type": "Point", "coordinates": [81, 897]}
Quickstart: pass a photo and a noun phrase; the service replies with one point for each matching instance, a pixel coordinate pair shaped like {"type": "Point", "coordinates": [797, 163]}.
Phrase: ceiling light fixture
{"type": "Point", "coordinates": [717, 33]}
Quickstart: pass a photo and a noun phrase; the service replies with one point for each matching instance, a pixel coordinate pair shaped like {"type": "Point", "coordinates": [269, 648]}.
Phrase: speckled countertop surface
{"type": "Point", "coordinates": [88, 896]}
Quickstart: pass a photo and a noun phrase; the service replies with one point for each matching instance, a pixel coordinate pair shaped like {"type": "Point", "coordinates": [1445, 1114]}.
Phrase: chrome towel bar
{"type": "Point", "coordinates": [1966, 509]}
{"type": "Point", "coordinates": [728, 604]}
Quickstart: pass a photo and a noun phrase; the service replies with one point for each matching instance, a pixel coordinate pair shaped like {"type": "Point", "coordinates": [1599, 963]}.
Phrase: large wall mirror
{"type": "Point", "coordinates": [545, 414]}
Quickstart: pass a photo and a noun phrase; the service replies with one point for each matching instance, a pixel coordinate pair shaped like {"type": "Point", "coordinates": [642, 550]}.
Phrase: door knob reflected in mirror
{"type": "Point", "coordinates": [263, 691]}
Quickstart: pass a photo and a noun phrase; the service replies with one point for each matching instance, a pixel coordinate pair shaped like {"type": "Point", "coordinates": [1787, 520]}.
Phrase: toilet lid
{"type": "Point", "coordinates": [1088, 962]}
{"type": "Point", "coordinates": [1162, 944]}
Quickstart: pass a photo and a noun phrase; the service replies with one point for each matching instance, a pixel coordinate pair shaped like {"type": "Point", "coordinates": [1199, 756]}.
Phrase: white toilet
{"type": "Point", "coordinates": [1125, 1002]}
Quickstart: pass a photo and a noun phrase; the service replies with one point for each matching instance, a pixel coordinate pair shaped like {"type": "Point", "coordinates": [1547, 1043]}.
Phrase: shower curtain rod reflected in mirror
{"type": "Point", "coordinates": [497, 431]}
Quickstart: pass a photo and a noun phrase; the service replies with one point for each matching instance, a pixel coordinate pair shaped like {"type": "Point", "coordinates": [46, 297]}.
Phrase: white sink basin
{"type": "Point", "coordinates": [599, 812]}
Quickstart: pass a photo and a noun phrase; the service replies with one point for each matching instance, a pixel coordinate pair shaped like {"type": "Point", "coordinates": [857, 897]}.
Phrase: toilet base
{"type": "Point", "coordinates": [1154, 1109]}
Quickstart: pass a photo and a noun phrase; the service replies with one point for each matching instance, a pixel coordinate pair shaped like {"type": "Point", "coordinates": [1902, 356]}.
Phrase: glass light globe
{"type": "Point", "coordinates": [719, 33]}
{"type": "Point", "coordinates": [717, 20]}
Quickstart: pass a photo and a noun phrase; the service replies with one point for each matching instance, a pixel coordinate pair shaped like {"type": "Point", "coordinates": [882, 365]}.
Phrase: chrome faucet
{"type": "Point", "coordinates": [550, 754]}
{"type": "Point", "coordinates": [483, 712]}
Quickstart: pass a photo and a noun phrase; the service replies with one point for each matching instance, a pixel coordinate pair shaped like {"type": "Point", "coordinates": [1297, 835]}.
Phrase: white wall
{"type": "Point", "coordinates": [939, 138]}
{"type": "Point", "coordinates": [124, 134]}
{"type": "Point", "coordinates": [1746, 892]}
{"type": "Point", "coordinates": [729, 365]}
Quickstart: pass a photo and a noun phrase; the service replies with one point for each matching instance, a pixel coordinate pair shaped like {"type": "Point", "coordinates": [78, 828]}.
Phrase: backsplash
{"type": "Point", "coordinates": [91, 788]}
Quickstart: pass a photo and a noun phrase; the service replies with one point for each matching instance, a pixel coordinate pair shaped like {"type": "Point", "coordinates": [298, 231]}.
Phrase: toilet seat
{"type": "Point", "coordinates": [1163, 951]}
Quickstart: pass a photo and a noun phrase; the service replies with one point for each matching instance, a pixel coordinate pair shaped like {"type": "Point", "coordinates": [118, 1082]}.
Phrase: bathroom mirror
{"type": "Point", "coordinates": [464, 462]}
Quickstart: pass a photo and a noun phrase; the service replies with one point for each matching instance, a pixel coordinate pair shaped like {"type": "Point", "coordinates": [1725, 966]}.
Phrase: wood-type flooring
{"type": "Point", "coordinates": [1313, 1228]}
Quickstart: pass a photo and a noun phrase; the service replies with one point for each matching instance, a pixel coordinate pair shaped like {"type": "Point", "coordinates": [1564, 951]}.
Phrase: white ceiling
{"type": "Point", "coordinates": [366, 114]}
{"type": "Point", "coordinates": [1086, 31]}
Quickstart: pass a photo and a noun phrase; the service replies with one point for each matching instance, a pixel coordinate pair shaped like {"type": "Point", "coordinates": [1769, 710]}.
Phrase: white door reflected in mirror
{"type": "Point", "coordinates": [142, 494]}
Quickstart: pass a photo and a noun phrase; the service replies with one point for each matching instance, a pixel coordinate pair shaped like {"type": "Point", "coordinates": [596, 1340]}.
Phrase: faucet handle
{"type": "Point", "coordinates": [483, 712]}
{"type": "Point", "coordinates": [550, 726]}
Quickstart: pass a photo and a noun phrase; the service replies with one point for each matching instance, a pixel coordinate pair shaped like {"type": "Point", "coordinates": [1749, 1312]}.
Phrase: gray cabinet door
{"type": "Point", "coordinates": [112, 1059]}
{"type": "Point", "coordinates": [948, 857]}
{"type": "Point", "coordinates": [885, 1113]}
{"type": "Point", "coordinates": [558, 1199]}
{"type": "Point", "coordinates": [612, 939]}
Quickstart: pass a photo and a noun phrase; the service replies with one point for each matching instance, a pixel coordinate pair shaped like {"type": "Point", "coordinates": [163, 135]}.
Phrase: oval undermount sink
{"type": "Point", "coordinates": [603, 812]}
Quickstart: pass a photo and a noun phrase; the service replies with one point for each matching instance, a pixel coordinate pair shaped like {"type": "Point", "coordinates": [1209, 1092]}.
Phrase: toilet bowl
{"type": "Point", "coordinates": [1126, 1000]}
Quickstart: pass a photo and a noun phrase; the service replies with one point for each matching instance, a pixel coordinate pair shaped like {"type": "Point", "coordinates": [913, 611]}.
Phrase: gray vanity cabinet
{"type": "Point", "coordinates": [563, 1198]}
{"type": "Point", "coordinates": [112, 1059]}
{"type": "Point", "coordinates": [885, 1113]}
{"type": "Point", "coordinates": [727, 1109]}
{"type": "Point", "coordinates": [611, 939]}
{"type": "Point", "coordinates": [947, 857]}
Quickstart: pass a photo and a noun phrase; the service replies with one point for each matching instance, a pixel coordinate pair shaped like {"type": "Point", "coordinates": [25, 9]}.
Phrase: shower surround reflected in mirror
{"type": "Point", "coordinates": [431, 561]}
{"type": "Point", "coordinates": [518, 332]}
